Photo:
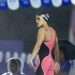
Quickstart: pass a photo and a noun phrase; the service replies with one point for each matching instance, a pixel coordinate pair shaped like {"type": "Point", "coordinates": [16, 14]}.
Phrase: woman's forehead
{"type": "Point", "coordinates": [39, 17]}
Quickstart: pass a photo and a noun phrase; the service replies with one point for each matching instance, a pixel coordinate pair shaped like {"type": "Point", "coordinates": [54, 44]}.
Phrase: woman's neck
{"type": "Point", "coordinates": [46, 27]}
{"type": "Point", "coordinates": [43, 26]}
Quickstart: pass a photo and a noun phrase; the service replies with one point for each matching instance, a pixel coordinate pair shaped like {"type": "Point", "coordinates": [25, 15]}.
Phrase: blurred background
{"type": "Point", "coordinates": [18, 28]}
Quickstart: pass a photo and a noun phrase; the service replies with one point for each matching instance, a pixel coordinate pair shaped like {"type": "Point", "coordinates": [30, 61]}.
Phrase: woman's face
{"type": "Point", "coordinates": [40, 21]}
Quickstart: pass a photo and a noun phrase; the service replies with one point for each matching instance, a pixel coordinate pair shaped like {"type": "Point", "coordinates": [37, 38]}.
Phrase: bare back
{"type": "Point", "coordinates": [49, 34]}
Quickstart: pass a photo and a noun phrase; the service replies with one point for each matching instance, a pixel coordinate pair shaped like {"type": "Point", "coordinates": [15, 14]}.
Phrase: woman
{"type": "Point", "coordinates": [47, 35]}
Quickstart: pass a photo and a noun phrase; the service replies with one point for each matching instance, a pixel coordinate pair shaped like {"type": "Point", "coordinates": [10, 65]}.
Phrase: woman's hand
{"type": "Point", "coordinates": [34, 62]}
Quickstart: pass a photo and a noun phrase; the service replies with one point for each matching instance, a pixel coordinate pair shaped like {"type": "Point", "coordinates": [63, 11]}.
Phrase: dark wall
{"type": "Point", "coordinates": [20, 25]}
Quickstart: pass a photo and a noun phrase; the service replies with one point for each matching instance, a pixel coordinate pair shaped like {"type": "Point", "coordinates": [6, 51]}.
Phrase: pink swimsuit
{"type": "Point", "coordinates": [48, 62]}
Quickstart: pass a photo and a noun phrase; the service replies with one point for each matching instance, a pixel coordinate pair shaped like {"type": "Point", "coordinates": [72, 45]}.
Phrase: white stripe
{"type": "Point", "coordinates": [7, 55]}
{"type": "Point", "coordinates": [36, 3]}
{"type": "Point", "coordinates": [73, 2]}
{"type": "Point", "coordinates": [56, 3]}
{"type": "Point", "coordinates": [1, 56]}
{"type": "Point", "coordinates": [13, 4]}
{"type": "Point", "coordinates": [16, 54]}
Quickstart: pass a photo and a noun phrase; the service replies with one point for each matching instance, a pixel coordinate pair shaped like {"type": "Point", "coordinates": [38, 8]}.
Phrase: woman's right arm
{"type": "Point", "coordinates": [40, 40]}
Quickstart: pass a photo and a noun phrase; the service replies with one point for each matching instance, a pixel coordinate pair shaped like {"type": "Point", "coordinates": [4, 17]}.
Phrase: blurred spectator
{"type": "Point", "coordinates": [67, 53]}
{"type": "Point", "coordinates": [14, 67]}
